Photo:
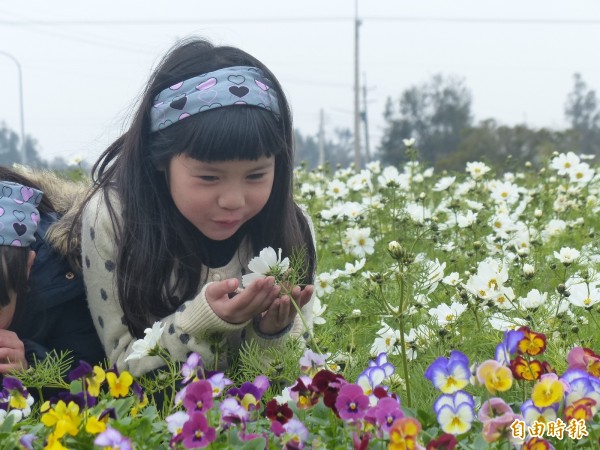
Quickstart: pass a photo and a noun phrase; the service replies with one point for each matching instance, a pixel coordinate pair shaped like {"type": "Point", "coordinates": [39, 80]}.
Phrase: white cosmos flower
{"type": "Point", "coordinates": [452, 280]}
{"type": "Point", "coordinates": [444, 183]}
{"type": "Point", "coordinates": [502, 323]}
{"type": "Point", "coordinates": [534, 299]}
{"type": "Point", "coordinates": [477, 169]}
{"type": "Point", "coordinates": [564, 163]}
{"type": "Point", "coordinates": [567, 255]}
{"type": "Point", "coordinates": [337, 189]}
{"type": "Point", "coordinates": [266, 263]}
{"type": "Point", "coordinates": [581, 173]}
{"type": "Point", "coordinates": [553, 228]}
{"type": "Point", "coordinates": [358, 242]}
{"type": "Point", "coordinates": [143, 347]}
{"type": "Point", "coordinates": [445, 314]}
{"type": "Point", "coordinates": [408, 142]}
{"type": "Point", "coordinates": [324, 283]}
{"type": "Point", "coordinates": [318, 309]}
{"type": "Point", "coordinates": [583, 295]}
{"type": "Point", "coordinates": [465, 220]}
{"type": "Point", "coordinates": [360, 181]}
{"type": "Point", "coordinates": [388, 341]}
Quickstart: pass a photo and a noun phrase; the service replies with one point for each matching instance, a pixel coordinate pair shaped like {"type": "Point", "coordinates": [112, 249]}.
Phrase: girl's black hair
{"type": "Point", "coordinates": [154, 240]}
{"type": "Point", "coordinates": [13, 260]}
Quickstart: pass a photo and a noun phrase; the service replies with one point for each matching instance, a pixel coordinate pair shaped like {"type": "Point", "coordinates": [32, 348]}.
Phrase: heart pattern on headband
{"type": "Point", "coordinates": [239, 91]}
{"type": "Point", "coordinates": [19, 216]}
{"type": "Point", "coordinates": [238, 85]}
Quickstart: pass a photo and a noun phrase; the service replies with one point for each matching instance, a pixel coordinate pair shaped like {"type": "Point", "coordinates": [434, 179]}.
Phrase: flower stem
{"type": "Point", "coordinates": [306, 327]}
{"type": "Point", "coordinates": [400, 279]}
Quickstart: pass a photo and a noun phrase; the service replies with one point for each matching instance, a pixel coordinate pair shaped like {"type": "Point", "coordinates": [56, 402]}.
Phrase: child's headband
{"type": "Point", "coordinates": [19, 216]}
{"type": "Point", "coordinates": [239, 85]}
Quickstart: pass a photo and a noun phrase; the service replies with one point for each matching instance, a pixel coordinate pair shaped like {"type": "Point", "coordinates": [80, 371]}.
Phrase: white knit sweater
{"type": "Point", "coordinates": [193, 327]}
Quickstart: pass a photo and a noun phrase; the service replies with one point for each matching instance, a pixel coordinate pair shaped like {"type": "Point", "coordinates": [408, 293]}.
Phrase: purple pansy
{"type": "Point", "coordinates": [81, 371]}
{"type": "Point", "coordinates": [455, 412]}
{"type": "Point", "coordinates": [449, 374]}
{"type": "Point", "coordinates": [113, 439]}
{"type": "Point", "coordinates": [196, 432]}
{"type": "Point", "coordinates": [508, 346]}
{"type": "Point", "coordinates": [198, 397]}
{"type": "Point", "coordinates": [232, 412]}
{"type": "Point", "coordinates": [351, 402]}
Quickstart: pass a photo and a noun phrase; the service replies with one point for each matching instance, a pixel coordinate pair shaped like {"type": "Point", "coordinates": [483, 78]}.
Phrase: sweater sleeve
{"type": "Point", "coordinates": [191, 328]}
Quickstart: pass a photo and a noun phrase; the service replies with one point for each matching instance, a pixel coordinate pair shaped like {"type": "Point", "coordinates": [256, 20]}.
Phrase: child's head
{"type": "Point", "coordinates": [19, 218]}
{"type": "Point", "coordinates": [210, 133]}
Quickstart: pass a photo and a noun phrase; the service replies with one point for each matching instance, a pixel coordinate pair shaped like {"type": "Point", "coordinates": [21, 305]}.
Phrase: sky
{"type": "Point", "coordinates": [85, 63]}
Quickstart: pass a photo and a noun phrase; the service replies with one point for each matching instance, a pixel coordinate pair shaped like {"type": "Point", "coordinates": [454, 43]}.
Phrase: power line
{"type": "Point", "coordinates": [154, 22]}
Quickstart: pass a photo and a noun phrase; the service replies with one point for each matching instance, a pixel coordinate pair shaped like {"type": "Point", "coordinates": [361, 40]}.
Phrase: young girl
{"type": "Point", "coordinates": [42, 299]}
{"type": "Point", "coordinates": [195, 188]}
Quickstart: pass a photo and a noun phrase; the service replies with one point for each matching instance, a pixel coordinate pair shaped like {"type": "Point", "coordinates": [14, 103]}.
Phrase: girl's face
{"type": "Point", "coordinates": [219, 197]}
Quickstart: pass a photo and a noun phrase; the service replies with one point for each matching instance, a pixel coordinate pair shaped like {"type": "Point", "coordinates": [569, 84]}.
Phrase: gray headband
{"type": "Point", "coordinates": [19, 216]}
{"type": "Point", "coordinates": [239, 85]}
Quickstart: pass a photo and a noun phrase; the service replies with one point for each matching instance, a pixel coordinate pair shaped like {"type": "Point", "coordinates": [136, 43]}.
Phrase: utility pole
{"type": "Point", "coordinates": [16, 61]}
{"type": "Point", "coordinates": [357, 158]}
{"type": "Point", "coordinates": [321, 140]}
{"type": "Point", "coordinates": [365, 119]}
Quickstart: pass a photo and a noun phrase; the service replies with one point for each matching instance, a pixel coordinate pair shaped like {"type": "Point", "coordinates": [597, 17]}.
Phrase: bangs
{"type": "Point", "coordinates": [230, 133]}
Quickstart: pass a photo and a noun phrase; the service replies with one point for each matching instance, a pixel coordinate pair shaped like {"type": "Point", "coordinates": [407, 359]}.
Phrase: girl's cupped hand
{"type": "Point", "coordinates": [282, 312]}
{"type": "Point", "coordinates": [243, 306]}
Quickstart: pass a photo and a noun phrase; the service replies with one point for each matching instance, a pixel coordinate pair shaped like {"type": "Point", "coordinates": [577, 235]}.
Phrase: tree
{"type": "Point", "coordinates": [581, 109]}
{"type": "Point", "coordinates": [338, 150]}
{"type": "Point", "coordinates": [434, 113]}
{"type": "Point", "coordinates": [10, 149]}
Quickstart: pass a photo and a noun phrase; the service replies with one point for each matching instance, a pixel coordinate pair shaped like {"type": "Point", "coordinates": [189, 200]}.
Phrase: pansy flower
{"type": "Point", "coordinates": [449, 374]}
{"type": "Point", "coordinates": [548, 390]}
{"type": "Point", "coordinates": [583, 409]}
{"type": "Point", "coordinates": [232, 412]}
{"type": "Point", "coordinates": [537, 443]}
{"type": "Point", "coordinates": [581, 385]}
{"type": "Point", "coordinates": [111, 438]}
{"type": "Point", "coordinates": [495, 376]}
{"type": "Point", "coordinates": [508, 346]}
{"type": "Point", "coordinates": [65, 419]}
{"type": "Point", "coordinates": [369, 379]}
{"type": "Point", "coordinates": [304, 397]}
{"type": "Point", "coordinates": [249, 394]}
{"type": "Point", "coordinates": [526, 370]}
{"type": "Point", "coordinates": [404, 434]}
{"type": "Point", "coordinates": [351, 402]}
{"type": "Point", "coordinates": [455, 412]}
{"type": "Point", "coordinates": [385, 413]}
{"type": "Point", "coordinates": [311, 362]}
{"type": "Point", "coordinates": [280, 413]}
{"type": "Point", "coordinates": [190, 368]}
{"type": "Point", "coordinates": [585, 359]}
{"type": "Point", "coordinates": [499, 428]}
{"type": "Point", "coordinates": [492, 408]}
{"type": "Point", "coordinates": [198, 397]}
{"type": "Point", "coordinates": [532, 343]}
{"type": "Point", "coordinates": [118, 384]}
{"type": "Point", "coordinates": [532, 413]}
{"type": "Point", "coordinates": [196, 432]}
{"type": "Point", "coordinates": [445, 441]}
{"type": "Point", "coordinates": [327, 384]}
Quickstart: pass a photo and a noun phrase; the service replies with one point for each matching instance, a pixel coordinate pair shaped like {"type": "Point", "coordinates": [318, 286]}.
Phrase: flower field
{"type": "Point", "coordinates": [454, 311]}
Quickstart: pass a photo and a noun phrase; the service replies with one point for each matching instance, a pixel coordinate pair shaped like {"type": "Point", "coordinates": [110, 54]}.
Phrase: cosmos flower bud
{"type": "Point", "coordinates": [396, 251]}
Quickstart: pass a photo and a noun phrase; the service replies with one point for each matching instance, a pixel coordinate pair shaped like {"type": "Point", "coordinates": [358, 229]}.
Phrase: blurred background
{"type": "Point", "coordinates": [469, 80]}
